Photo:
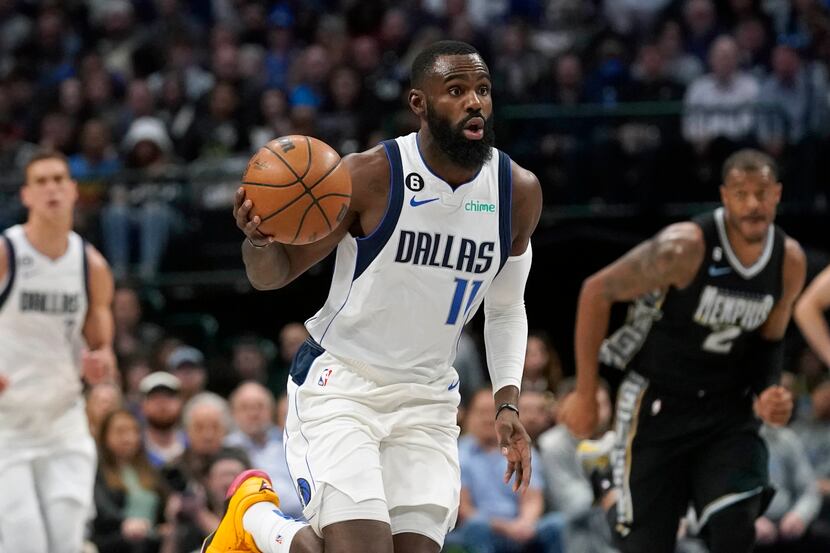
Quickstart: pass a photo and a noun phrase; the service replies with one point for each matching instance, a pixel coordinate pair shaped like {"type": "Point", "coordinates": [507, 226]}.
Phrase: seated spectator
{"type": "Point", "coordinates": [535, 412]}
{"type": "Point", "coordinates": [785, 526]}
{"type": "Point", "coordinates": [568, 488]}
{"type": "Point", "coordinates": [128, 491]}
{"type": "Point", "coordinates": [141, 201]}
{"type": "Point", "coordinates": [132, 333]}
{"type": "Point", "coordinates": [101, 400]}
{"type": "Point", "coordinates": [134, 369]}
{"type": "Point", "coordinates": [207, 420]}
{"type": "Point", "coordinates": [188, 364]}
{"type": "Point", "coordinates": [196, 511]}
{"type": "Point", "coordinates": [543, 368]}
{"type": "Point", "coordinates": [161, 409]}
{"type": "Point", "coordinates": [814, 433]}
{"type": "Point", "coordinates": [252, 407]}
{"type": "Point", "coordinates": [249, 360]}
{"type": "Point", "coordinates": [492, 517]}
{"type": "Point", "coordinates": [681, 66]}
{"type": "Point", "coordinates": [98, 158]}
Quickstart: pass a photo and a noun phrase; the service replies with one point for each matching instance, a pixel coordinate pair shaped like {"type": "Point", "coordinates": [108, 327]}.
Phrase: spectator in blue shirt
{"type": "Point", "coordinates": [493, 518]}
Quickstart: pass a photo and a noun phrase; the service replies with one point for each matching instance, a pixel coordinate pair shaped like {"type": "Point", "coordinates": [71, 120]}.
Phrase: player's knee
{"type": "Point", "coordinates": [732, 529]}
{"type": "Point", "coordinates": [358, 536]}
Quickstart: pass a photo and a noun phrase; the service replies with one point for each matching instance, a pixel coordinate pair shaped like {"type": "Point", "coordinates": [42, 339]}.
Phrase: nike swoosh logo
{"type": "Point", "coordinates": [415, 203]}
{"type": "Point", "coordinates": [454, 385]}
{"type": "Point", "coordinates": [719, 271]}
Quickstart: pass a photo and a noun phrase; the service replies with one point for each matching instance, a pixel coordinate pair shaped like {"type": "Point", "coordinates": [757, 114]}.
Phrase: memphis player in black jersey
{"type": "Point", "coordinates": [702, 347]}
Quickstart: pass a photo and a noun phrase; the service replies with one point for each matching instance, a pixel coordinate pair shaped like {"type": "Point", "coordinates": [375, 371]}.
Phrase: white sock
{"type": "Point", "coordinates": [271, 529]}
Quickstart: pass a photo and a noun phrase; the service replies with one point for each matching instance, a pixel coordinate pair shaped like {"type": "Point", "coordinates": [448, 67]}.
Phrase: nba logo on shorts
{"type": "Point", "coordinates": [324, 377]}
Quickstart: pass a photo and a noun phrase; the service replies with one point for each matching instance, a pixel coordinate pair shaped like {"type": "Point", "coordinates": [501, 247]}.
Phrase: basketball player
{"type": "Point", "coordinates": [713, 298]}
{"type": "Point", "coordinates": [809, 315]}
{"type": "Point", "coordinates": [440, 221]}
{"type": "Point", "coordinates": [55, 327]}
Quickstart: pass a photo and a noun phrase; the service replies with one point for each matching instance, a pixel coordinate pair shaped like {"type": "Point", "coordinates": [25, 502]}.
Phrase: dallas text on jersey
{"type": "Point", "coordinates": [435, 250]}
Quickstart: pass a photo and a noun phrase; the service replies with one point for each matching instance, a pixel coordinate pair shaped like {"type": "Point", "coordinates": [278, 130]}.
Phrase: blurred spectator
{"type": "Point", "coordinates": [132, 334]}
{"type": "Point", "coordinates": [161, 408]}
{"type": "Point", "coordinates": [281, 410]}
{"type": "Point", "coordinates": [718, 111]}
{"type": "Point", "coordinates": [632, 17]}
{"type": "Point", "coordinates": [493, 518]}
{"type": "Point", "coordinates": [181, 61]}
{"type": "Point", "coordinates": [218, 133]}
{"type": "Point", "coordinates": [188, 364]}
{"type": "Point", "coordinates": [134, 368]}
{"type": "Point", "coordinates": [785, 526]}
{"type": "Point", "coordinates": [273, 118]}
{"type": "Point", "coordinates": [140, 102]}
{"type": "Point", "coordinates": [702, 27]}
{"type": "Point", "coordinates": [174, 107]}
{"type": "Point", "coordinates": [97, 158]}
{"type": "Point", "coordinates": [342, 115]}
{"type": "Point", "coordinates": [680, 65]}
{"type": "Point", "coordinates": [535, 412]}
{"type": "Point", "coordinates": [313, 68]}
{"type": "Point", "coordinates": [543, 368]}
{"type": "Point", "coordinates": [650, 80]}
{"type": "Point", "coordinates": [252, 406]}
{"type": "Point", "coordinates": [207, 421]}
{"type": "Point", "coordinates": [291, 337]}
{"type": "Point", "coordinates": [815, 435]}
{"type": "Point", "coordinates": [196, 511]}
{"type": "Point", "coordinates": [604, 85]}
{"type": "Point", "coordinates": [281, 49]}
{"type": "Point", "coordinates": [57, 132]}
{"type": "Point", "coordinates": [516, 67]}
{"type": "Point", "coordinates": [249, 360]}
{"type": "Point", "coordinates": [101, 400]}
{"type": "Point", "coordinates": [794, 100]}
{"type": "Point", "coordinates": [753, 46]}
{"type": "Point", "coordinates": [128, 491]}
{"type": "Point", "coordinates": [568, 489]}
{"type": "Point", "coordinates": [144, 205]}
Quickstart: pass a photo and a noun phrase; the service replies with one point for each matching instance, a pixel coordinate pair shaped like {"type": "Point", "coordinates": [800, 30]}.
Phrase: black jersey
{"type": "Point", "coordinates": [696, 338]}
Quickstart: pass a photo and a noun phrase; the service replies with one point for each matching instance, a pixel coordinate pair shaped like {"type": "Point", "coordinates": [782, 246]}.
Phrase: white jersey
{"type": "Point", "coordinates": [400, 296]}
{"type": "Point", "coordinates": [43, 305]}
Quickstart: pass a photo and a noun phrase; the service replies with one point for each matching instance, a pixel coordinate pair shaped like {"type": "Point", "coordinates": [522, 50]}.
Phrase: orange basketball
{"type": "Point", "coordinates": [298, 188]}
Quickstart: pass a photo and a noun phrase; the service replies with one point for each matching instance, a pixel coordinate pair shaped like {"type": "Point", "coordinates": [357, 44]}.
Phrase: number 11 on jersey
{"type": "Point", "coordinates": [458, 298]}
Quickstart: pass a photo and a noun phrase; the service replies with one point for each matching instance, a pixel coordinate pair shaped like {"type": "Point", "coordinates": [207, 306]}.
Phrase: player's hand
{"type": "Point", "coordinates": [246, 223]}
{"type": "Point", "coordinates": [514, 444]}
{"type": "Point", "coordinates": [792, 526]}
{"type": "Point", "coordinates": [580, 413]}
{"type": "Point", "coordinates": [775, 405]}
{"type": "Point", "coordinates": [765, 531]}
{"type": "Point", "coordinates": [134, 529]}
{"type": "Point", "coordinates": [97, 365]}
{"type": "Point", "coordinates": [4, 383]}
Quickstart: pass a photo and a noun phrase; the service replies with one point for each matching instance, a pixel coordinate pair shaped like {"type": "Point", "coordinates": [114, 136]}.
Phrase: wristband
{"type": "Point", "coordinates": [259, 247]}
{"type": "Point", "coordinates": [504, 406]}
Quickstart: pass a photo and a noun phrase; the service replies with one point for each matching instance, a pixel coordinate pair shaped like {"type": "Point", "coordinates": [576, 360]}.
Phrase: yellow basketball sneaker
{"type": "Point", "coordinates": [250, 487]}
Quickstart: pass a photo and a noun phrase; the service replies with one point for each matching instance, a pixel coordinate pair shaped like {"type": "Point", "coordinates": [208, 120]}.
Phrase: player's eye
{"type": "Point", "coordinates": [455, 91]}
{"type": "Point", "coordinates": [484, 90]}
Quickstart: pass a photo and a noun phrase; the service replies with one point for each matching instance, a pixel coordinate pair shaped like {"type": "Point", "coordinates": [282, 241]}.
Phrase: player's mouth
{"type": "Point", "coordinates": [474, 129]}
{"type": "Point", "coordinates": [53, 203]}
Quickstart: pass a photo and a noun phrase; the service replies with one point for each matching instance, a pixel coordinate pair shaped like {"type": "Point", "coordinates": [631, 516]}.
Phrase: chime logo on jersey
{"type": "Point", "coordinates": [720, 308]}
{"type": "Point", "coordinates": [49, 302]}
{"type": "Point", "coordinates": [436, 250]}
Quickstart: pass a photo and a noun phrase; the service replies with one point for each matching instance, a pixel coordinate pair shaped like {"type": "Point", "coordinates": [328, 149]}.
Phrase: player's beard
{"type": "Point", "coordinates": [469, 154]}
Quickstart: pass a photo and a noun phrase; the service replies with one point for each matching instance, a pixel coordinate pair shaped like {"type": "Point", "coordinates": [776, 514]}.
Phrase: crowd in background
{"type": "Point", "coordinates": [181, 425]}
{"type": "Point", "coordinates": [146, 84]}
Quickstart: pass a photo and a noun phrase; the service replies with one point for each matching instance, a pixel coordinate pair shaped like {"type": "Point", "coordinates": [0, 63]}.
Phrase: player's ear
{"type": "Point", "coordinates": [417, 102]}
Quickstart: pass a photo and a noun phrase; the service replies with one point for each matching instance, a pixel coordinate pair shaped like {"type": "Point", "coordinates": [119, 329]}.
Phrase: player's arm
{"type": "Point", "coordinates": [766, 355]}
{"type": "Point", "coordinates": [809, 315]}
{"type": "Point", "coordinates": [270, 264]}
{"type": "Point", "coordinates": [4, 268]}
{"type": "Point", "coordinates": [505, 326]}
{"type": "Point", "coordinates": [98, 361]}
{"type": "Point", "coordinates": [671, 258]}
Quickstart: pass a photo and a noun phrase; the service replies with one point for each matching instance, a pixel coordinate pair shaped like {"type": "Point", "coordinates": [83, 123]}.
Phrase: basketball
{"type": "Point", "coordinates": [299, 189]}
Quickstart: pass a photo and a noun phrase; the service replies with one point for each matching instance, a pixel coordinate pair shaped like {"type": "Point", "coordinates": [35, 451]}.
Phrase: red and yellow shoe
{"type": "Point", "coordinates": [250, 487]}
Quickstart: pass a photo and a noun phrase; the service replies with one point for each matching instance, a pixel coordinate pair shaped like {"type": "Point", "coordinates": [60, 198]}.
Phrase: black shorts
{"type": "Point", "coordinates": [673, 451]}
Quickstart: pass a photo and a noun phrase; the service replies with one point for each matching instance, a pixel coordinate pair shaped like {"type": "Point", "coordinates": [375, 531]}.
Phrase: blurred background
{"type": "Point", "coordinates": [625, 109]}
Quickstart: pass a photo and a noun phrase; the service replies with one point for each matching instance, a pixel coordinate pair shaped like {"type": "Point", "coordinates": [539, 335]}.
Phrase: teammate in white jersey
{"type": "Point", "coordinates": [439, 222]}
{"type": "Point", "coordinates": [55, 328]}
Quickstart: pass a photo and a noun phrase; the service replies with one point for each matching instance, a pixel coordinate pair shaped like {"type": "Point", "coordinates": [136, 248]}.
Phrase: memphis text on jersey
{"type": "Point", "coordinates": [720, 308]}
{"type": "Point", "coordinates": [49, 302]}
{"type": "Point", "coordinates": [436, 250]}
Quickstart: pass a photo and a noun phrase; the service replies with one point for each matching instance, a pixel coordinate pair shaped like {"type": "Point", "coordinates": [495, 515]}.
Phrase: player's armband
{"type": "Point", "coordinates": [765, 360]}
{"type": "Point", "coordinates": [505, 322]}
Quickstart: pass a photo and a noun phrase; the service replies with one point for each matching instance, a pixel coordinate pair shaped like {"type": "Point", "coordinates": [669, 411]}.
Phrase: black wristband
{"type": "Point", "coordinates": [504, 406]}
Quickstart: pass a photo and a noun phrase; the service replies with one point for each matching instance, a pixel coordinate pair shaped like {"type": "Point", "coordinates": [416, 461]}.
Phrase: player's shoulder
{"type": "Point", "coordinates": [793, 252]}
{"type": "Point", "coordinates": [526, 184]}
{"type": "Point", "coordinates": [794, 266]}
{"type": "Point", "coordinates": [369, 171]}
{"type": "Point", "coordinates": [96, 262]}
{"type": "Point", "coordinates": [681, 246]}
{"type": "Point", "coordinates": [686, 235]}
